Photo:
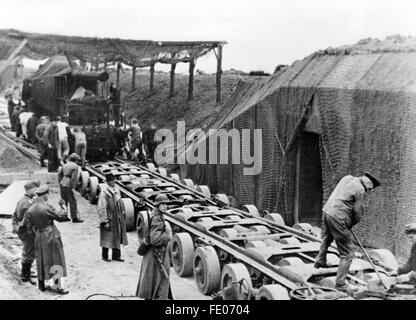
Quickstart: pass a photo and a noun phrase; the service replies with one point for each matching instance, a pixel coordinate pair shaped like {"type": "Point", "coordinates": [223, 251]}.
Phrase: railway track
{"type": "Point", "coordinates": [234, 252]}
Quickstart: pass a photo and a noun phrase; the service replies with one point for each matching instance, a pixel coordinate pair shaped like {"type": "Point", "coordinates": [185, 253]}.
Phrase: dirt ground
{"type": "Point", "coordinates": [87, 273]}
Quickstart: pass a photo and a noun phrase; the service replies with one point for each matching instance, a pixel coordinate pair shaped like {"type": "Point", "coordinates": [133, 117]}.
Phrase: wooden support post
{"type": "Point", "coordinates": [152, 75]}
{"type": "Point", "coordinates": [219, 73]}
{"type": "Point", "coordinates": [133, 78]}
{"type": "Point", "coordinates": [118, 74]}
{"type": "Point", "coordinates": [172, 79]}
{"type": "Point", "coordinates": [191, 80]}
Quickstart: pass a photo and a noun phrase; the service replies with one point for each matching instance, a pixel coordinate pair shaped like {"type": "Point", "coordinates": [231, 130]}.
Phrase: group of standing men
{"type": "Point", "coordinates": [51, 135]}
{"type": "Point", "coordinates": [136, 144]}
{"type": "Point", "coordinates": [33, 221]}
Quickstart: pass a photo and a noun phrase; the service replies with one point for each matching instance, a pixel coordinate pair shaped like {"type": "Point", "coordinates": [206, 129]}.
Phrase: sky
{"type": "Point", "coordinates": [260, 34]}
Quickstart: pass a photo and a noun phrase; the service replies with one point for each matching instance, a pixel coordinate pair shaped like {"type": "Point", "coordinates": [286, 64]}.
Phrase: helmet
{"type": "Point", "coordinates": [161, 198]}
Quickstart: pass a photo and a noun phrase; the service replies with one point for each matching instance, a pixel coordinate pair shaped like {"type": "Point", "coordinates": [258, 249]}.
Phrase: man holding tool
{"type": "Point", "coordinates": [407, 272]}
{"type": "Point", "coordinates": [154, 275]}
{"type": "Point", "coordinates": [341, 212]}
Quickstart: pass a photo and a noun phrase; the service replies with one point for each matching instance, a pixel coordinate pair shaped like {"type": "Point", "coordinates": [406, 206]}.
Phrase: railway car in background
{"type": "Point", "coordinates": [79, 97]}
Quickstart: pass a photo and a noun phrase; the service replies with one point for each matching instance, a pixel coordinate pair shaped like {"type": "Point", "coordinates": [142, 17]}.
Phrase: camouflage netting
{"type": "Point", "coordinates": [140, 53]}
{"type": "Point", "coordinates": [364, 96]}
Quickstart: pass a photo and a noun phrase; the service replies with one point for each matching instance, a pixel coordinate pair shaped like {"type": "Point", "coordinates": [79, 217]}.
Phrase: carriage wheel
{"type": "Point", "coordinates": [83, 182]}
{"type": "Point", "coordinates": [188, 183]}
{"type": "Point", "coordinates": [236, 282]}
{"type": "Point", "coordinates": [260, 229]}
{"type": "Point", "coordinates": [182, 254]}
{"type": "Point", "coordinates": [290, 241]}
{"type": "Point", "coordinates": [276, 218]}
{"type": "Point", "coordinates": [223, 198]}
{"type": "Point", "coordinates": [251, 209]}
{"type": "Point", "coordinates": [207, 270]}
{"type": "Point", "coordinates": [127, 208]}
{"type": "Point", "coordinates": [93, 189]}
{"type": "Point", "coordinates": [204, 190]}
{"type": "Point", "coordinates": [272, 292]}
{"type": "Point", "coordinates": [150, 166]}
{"type": "Point", "coordinates": [304, 227]}
{"type": "Point", "coordinates": [142, 224]}
{"type": "Point", "coordinates": [162, 172]}
{"type": "Point", "coordinates": [228, 233]}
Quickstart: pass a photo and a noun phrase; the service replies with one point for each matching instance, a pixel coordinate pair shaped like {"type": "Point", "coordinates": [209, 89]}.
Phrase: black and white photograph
{"type": "Point", "coordinates": [207, 151]}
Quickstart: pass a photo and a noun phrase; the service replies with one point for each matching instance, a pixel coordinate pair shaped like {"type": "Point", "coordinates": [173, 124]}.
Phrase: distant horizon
{"type": "Point", "coordinates": [261, 35]}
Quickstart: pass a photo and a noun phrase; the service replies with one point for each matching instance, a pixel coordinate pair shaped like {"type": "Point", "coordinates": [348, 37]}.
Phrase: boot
{"type": "Point", "coordinates": [104, 254]}
{"type": "Point", "coordinates": [117, 255]}
{"type": "Point", "coordinates": [25, 275]}
{"type": "Point", "coordinates": [41, 285]}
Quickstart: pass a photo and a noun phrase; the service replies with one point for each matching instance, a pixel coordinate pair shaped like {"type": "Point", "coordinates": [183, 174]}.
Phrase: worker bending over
{"type": "Point", "coordinates": [341, 212]}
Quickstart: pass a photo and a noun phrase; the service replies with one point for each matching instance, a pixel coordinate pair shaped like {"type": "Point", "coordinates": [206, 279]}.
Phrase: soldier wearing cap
{"type": "Point", "coordinates": [68, 181]}
{"type": "Point", "coordinates": [153, 283]}
{"type": "Point", "coordinates": [112, 221]}
{"type": "Point", "coordinates": [407, 272]}
{"type": "Point", "coordinates": [340, 213]}
{"type": "Point", "coordinates": [25, 235]}
{"type": "Point", "coordinates": [49, 251]}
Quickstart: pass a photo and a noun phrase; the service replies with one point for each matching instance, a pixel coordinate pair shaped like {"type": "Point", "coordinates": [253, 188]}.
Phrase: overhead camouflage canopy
{"type": "Point", "coordinates": [140, 53]}
{"type": "Point", "coordinates": [136, 53]}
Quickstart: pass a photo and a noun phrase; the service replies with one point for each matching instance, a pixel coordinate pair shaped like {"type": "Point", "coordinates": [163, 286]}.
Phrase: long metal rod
{"type": "Point", "coordinates": [369, 260]}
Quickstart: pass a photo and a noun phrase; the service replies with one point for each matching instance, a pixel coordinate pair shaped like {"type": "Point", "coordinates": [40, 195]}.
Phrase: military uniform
{"type": "Point", "coordinates": [53, 140]}
{"type": "Point", "coordinates": [68, 180]}
{"type": "Point", "coordinates": [42, 142]}
{"type": "Point", "coordinates": [153, 284]}
{"type": "Point", "coordinates": [49, 251]}
{"type": "Point", "coordinates": [26, 235]}
{"type": "Point", "coordinates": [340, 213]}
{"type": "Point", "coordinates": [151, 144]}
{"type": "Point", "coordinates": [109, 211]}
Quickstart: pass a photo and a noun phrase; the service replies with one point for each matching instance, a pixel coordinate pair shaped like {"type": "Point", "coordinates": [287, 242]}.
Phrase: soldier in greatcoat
{"type": "Point", "coordinates": [154, 281]}
{"type": "Point", "coordinates": [49, 250]}
{"type": "Point", "coordinates": [112, 221]}
{"type": "Point", "coordinates": [340, 213]}
{"type": "Point", "coordinates": [25, 235]}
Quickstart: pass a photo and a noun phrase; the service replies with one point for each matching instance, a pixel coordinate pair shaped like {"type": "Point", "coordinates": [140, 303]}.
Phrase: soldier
{"type": "Point", "coordinates": [25, 235]}
{"type": "Point", "coordinates": [112, 221]}
{"type": "Point", "coordinates": [68, 181]}
{"type": "Point", "coordinates": [150, 142]}
{"type": "Point", "coordinates": [10, 107]}
{"type": "Point", "coordinates": [340, 213]}
{"type": "Point", "coordinates": [115, 103]}
{"type": "Point", "coordinates": [136, 141]}
{"type": "Point", "coordinates": [154, 274]}
{"type": "Point", "coordinates": [80, 144]}
{"type": "Point", "coordinates": [407, 272]}
{"type": "Point", "coordinates": [41, 128]}
{"type": "Point", "coordinates": [49, 251]}
{"type": "Point", "coordinates": [53, 146]}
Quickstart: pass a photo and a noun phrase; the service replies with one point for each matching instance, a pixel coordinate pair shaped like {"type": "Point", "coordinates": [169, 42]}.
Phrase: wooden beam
{"type": "Point", "coordinates": [133, 78]}
{"type": "Point", "coordinates": [172, 79]}
{"type": "Point", "coordinates": [152, 75]}
{"type": "Point", "coordinates": [191, 80]}
{"type": "Point", "coordinates": [219, 73]}
{"type": "Point", "coordinates": [118, 74]}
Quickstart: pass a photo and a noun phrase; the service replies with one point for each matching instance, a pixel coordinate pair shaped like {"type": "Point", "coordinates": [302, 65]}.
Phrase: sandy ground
{"type": "Point", "coordinates": [87, 273]}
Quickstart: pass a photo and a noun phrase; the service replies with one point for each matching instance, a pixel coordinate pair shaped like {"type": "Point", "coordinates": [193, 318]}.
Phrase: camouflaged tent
{"type": "Point", "coordinates": [336, 112]}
